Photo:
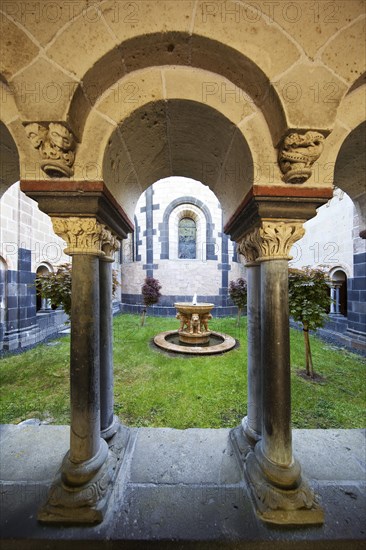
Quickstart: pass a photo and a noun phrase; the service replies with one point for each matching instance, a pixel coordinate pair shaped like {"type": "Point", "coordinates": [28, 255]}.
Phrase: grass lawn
{"type": "Point", "coordinates": [155, 389]}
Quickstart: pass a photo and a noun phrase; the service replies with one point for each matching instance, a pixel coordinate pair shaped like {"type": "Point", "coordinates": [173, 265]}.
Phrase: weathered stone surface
{"type": "Point", "coordinates": [182, 486]}
{"type": "Point", "coordinates": [13, 60]}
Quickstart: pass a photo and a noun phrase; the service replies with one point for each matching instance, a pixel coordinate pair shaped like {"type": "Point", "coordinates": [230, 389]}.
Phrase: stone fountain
{"type": "Point", "coordinates": [193, 335]}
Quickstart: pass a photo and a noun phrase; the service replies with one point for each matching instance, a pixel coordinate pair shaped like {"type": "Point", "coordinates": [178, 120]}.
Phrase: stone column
{"type": "Point", "coordinates": [337, 299]}
{"type": "Point", "coordinates": [85, 442]}
{"type": "Point", "coordinates": [78, 495]}
{"type": "Point", "coordinates": [333, 302]}
{"type": "Point", "coordinates": [108, 422]}
{"type": "Point", "coordinates": [274, 476]}
{"type": "Point", "coordinates": [252, 423]}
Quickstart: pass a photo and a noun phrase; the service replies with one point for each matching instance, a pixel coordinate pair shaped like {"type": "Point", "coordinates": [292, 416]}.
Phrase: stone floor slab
{"type": "Point", "coordinates": [183, 456]}
{"type": "Point", "coordinates": [181, 489]}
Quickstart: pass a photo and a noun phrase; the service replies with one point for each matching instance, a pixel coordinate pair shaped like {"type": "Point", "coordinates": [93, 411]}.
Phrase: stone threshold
{"type": "Point", "coordinates": [181, 489]}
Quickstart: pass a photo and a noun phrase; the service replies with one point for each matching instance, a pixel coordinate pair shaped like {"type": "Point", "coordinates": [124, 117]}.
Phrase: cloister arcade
{"type": "Point", "coordinates": [101, 100]}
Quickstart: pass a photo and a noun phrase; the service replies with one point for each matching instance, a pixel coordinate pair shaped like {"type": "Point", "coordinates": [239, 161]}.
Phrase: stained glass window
{"type": "Point", "coordinates": [187, 239]}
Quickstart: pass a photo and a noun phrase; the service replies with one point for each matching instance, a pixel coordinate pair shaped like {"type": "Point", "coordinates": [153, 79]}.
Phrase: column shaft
{"type": "Point", "coordinates": [332, 295]}
{"type": "Point", "coordinates": [106, 348]}
{"type": "Point", "coordinates": [84, 359]}
{"type": "Point", "coordinates": [252, 423]}
{"type": "Point", "coordinates": [276, 442]}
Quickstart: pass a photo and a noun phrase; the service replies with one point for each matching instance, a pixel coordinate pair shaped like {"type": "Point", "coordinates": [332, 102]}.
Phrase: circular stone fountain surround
{"type": "Point", "coordinates": [194, 334]}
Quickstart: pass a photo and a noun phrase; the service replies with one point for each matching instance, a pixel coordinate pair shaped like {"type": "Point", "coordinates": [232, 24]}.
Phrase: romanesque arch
{"type": "Point", "coordinates": [254, 95]}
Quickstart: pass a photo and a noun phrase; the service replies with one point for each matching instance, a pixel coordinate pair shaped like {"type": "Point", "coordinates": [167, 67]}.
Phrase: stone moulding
{"type": "Point", "coordinates": [297, 155]}
{"type": "Point", "coordinates": [56, 146]}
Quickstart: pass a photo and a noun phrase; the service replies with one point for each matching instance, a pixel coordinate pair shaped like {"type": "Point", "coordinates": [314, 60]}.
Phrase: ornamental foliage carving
{"type": "Point", "coordinates": [86, 236]}
{"type": "Point", "coordinates": [297, 155]}
{"type": "Point", "coordinates": [248, 247]}
{"type": "Point", "coordinates": [56, 146]}
{"type": "Point", "coordinates": [277, 238]}
{"type": "Point", "coordinates": [110, 244]}
{"type": "Point", "coordinates": [271, 240]}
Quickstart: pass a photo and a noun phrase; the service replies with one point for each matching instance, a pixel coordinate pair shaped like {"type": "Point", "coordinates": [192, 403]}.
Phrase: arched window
{"type": "Point", "coordinates": [187, 237]}
{"type": "Point", "coordinates": [338, 291]}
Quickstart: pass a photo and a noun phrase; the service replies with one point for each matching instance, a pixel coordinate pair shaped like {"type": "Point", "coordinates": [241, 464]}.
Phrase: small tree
{"type": "Point", "coordinates": [238, 294]}
{"type": "Point", "coordinates": [309, 301]}
{"type": "Point", "coordinates": [56, 286]}
{"type": "Point", "coordinates": [150, 294]}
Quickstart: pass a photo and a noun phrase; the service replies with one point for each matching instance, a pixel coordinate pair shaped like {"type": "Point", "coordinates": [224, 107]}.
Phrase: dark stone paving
{"type": "Point", "coordinates": [182, 489]}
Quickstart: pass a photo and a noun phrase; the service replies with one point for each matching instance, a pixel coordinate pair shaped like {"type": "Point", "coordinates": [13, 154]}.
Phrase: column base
{"type": "Point", "coordinates": [86, 503]}
{"type": "Point", "coordinates": [109, 432]}
{"type": "Point", "coordinates": [241, 444]}
{"type": "Point", "coordinates": [252, 435]}
{"type": "Point", "coordinates": [276, 503]}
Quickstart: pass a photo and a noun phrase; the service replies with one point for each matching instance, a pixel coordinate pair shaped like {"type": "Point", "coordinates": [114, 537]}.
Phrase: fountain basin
{"type": "Point", "coordinates": [187, 309]}
{"type": "Point", "coordinates": [217, 343]}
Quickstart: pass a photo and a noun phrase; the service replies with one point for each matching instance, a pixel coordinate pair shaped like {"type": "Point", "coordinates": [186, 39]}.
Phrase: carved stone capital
{"type": "Point", "coordinates": [272, 240]}
{"type": "Point", "coordinates": [82, 235]}
{"type": "Point", "coordinates": [110, 244]}
{"type": "Point", "coordinates": [248, 247]}
{"type": "Point", "coordinates": [298, 153]}
{"type": "Point", "coordinates": [56, 145]}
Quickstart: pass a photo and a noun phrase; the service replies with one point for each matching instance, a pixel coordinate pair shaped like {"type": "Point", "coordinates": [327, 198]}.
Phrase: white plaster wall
{"type": "Point", "coordinates": [23, 225]}
{"type": "Point", "coordinates": [328, 239]}
{"type": "Point", "coordinates": [178, 276]}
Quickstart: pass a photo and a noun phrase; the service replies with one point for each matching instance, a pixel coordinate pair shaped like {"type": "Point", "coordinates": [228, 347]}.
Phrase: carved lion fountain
{"type": "Point", "coordinates": [193, 335]}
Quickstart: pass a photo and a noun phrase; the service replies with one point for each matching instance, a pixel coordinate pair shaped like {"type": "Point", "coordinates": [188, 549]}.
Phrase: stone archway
{"type": "Point", "coordinates": [87, 157]}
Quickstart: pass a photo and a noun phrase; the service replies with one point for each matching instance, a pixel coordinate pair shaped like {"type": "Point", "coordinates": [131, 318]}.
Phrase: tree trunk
{"type": "Point", "coordinates": [238, 319]}
{"type": "Point", "coordinates": [143, 315]}
{"type": "Point", "coordinates": [308, 357]}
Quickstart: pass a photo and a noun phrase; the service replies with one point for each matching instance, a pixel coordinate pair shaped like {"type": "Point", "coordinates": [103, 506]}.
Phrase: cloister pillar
{"type": "Point", "coordinates": [274, 475]}
{"type": "Point", "coordinates": [108, 421]}
{"type": "Point", "coordinates": [77, 496]}
{"type": "Point", "coordinates": [252, 422]}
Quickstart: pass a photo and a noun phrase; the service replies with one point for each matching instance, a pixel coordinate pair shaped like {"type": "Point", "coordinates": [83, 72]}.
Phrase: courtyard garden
{"type": "Point", "coordinates": [159, 389]}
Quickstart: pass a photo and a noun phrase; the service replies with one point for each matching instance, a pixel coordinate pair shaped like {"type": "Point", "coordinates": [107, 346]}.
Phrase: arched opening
{"type": "Point", "coordinates": [42, 304]}
{"type": "Point", "coordinates": [178, 138]}
{"type": "Point", "coordinates": [178, 239]}
{"type": "Point", "coordinates": [9, 159]}
{"type": "Point", "coordinates": [338, 291]}
{"type": "Point", "coordinates": [349, 172]}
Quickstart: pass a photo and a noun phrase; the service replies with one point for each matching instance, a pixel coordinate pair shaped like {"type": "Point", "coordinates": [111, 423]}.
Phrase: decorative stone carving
{"type": "Point", "coordinates": [86, 503]}
{"type": "Point", "coordinates": [185, 322]}
{"type": "Point", "coordinates": [277, 238]}
{"type": "Point", "coordinates": [56, 146]}
{"type": "Point", "coordinates": [296, 505]}
{"type": "Point", "coordinates": [110, 244]}
{"type": "Point", "coordinates": [82, 235]}
{"type": "Point", "coordinates": [271, 240]}
{"type": "Point", "coordinates": [248, 247]}
{"type": "Point", "coordinates": [297, 155]}
{"type": "Point", "coordinates": [195, 324]}
{"type": "Point", "coordinates": [204, 321]}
